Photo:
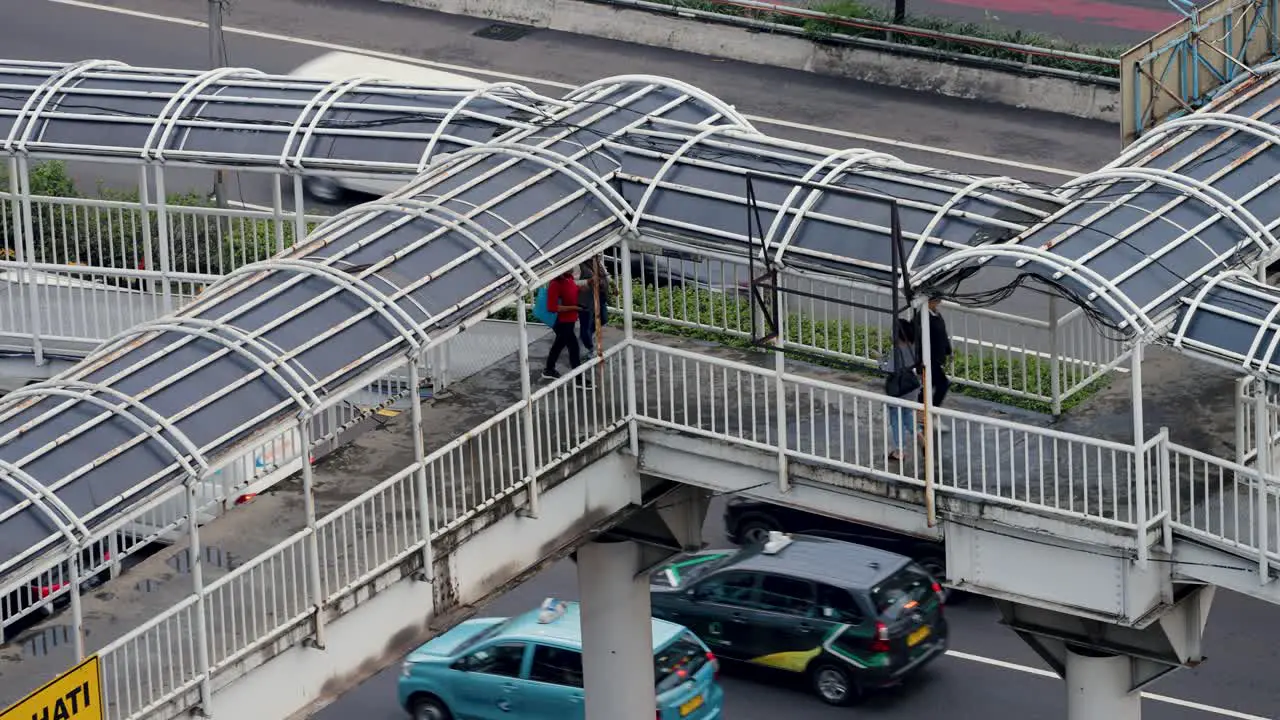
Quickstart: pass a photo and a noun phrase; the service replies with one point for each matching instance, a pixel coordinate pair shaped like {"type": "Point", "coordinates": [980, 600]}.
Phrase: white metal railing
{"type": "Point", "coordinates": [92, 268]}
{"type": "Point", "coordinates": [254, 604]}
{"type": "Point", "coordinates": [849, 428]}
{"type": "Point", "coordinates": [773, 409]}
{"type": "Point", "coordinates": [1047, 360]}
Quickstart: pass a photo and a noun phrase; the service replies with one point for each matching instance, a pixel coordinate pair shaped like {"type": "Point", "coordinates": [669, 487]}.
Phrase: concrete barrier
{"type": "Point", "coordinates": [868, 64]}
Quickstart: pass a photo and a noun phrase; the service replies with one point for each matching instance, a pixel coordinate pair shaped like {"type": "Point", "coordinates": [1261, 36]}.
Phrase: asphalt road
{"type": "Point", "coordinates": [955, 688]}
{"type": "Point", "coordinates": [936, 131]}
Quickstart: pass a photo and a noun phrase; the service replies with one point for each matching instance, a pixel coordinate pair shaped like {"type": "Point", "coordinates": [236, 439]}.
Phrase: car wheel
{"type": "Point", "coordinates": [425, 707]}
{"type": "Point", "coordinates": [756, 530]}
{"type": "Point", "coordinates": [322, 189]}
{"type": "Point", "coordinates": [937, 567]}
{"type": "Point", "coordinates": [834, 685]}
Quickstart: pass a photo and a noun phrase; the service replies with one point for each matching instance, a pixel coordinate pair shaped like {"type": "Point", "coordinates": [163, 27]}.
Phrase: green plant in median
{"type": "Point", "coordinates": [198, 243]}
{"type": "Point", "coordinates": [847, 13]}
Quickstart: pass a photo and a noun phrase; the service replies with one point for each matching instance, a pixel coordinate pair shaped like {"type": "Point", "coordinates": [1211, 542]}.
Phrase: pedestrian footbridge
{"type": "Point", "coordinates": [1101, 533]}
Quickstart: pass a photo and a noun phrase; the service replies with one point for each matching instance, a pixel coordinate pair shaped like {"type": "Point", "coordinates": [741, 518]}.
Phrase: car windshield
{"type": "Point", "coordinates": [482, 636]}
{"type": "Point", "coordinates": [901, 590]}
{"type": "Point", "coordinates": [678, 661]}
{"type": "Point", "coordinates": [688, 569]}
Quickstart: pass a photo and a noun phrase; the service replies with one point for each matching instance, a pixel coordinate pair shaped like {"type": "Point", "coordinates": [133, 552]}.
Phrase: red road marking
{"type": "Point", "coordinates": [1081, 11]}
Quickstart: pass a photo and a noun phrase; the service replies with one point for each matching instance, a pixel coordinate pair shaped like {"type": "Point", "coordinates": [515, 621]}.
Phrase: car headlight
{"type": "Point", "coordinates": [405, 669]}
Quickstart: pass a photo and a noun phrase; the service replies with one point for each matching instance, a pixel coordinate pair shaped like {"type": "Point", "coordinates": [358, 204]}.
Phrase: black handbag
{"type": "Point", "coordinates": [901, 382]}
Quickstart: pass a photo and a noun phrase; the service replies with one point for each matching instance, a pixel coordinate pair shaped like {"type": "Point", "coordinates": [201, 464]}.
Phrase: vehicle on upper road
{"type": "Point", "coordinates": [48, 594]}
{"type": "Point", "coordinates": [343, 66]}
{"type": "Point", "coordinates": [850, 618]}
{"type": "Point", "coordinates": [530, 667]}
{"type": "Point", "coordinates": [748, 521]}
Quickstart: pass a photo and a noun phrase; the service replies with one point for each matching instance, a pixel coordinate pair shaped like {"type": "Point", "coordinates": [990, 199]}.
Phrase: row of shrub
{"type": "Point", "coordinates": [78, 235]}
{"type": "Point", "coordinates": [847, 14]}
{"type": "Point", "coordinates": [202, 247]}
{"type": "Point", "coordinates": [732, 317]}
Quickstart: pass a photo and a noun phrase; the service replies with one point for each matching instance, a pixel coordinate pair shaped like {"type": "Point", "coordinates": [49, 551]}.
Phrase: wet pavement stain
{"type": "Point", "coordinates": [44, 642]}
{"type": "Point", "coordinates": [211, 555]}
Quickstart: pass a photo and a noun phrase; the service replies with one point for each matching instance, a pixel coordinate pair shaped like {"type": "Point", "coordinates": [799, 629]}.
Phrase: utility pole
{"type": "Point", "coordinates": [216, 54]}
{"type": "Point", "coordinates": [899, 11]}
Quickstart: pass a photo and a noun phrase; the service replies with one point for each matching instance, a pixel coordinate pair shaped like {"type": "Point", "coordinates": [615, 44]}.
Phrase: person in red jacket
{"type": "Point", "coordinates": [562, 299]}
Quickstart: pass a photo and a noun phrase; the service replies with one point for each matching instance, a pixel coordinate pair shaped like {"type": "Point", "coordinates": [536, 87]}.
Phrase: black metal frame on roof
{"type": "Point", "coordinates": [769, 308]}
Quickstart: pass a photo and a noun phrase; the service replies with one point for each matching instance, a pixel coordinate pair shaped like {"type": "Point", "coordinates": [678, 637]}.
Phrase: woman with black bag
{"type": "Point", "coordinates": [901, 381]}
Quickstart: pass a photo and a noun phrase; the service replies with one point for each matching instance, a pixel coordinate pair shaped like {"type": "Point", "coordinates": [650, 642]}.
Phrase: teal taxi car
{"type": "Point", "coordinates": [529, 667]}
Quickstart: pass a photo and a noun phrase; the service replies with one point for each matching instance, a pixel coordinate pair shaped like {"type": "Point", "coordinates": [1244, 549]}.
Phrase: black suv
{"type": "Point", "coordinates": [850, 618]}
{"type": "Point", "coordinates": [748, 521]}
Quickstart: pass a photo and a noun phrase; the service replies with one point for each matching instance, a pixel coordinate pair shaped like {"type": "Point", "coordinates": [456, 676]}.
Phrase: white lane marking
{"type": "Point", "coordinates": [461, 69]}
{"type": "Point", "coordinates": [1223, 712]}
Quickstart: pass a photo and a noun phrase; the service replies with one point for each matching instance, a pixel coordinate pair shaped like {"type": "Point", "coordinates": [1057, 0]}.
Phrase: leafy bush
{"type": "Point", "coordinates": [848, 13]}
{"type": "Point", "coordinates": [114, 237]}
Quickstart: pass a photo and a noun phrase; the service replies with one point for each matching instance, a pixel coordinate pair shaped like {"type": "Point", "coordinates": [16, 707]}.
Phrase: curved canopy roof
{"type": "Point", "coordinates": [284, 337]}
{"type": "Point", "coordinates": [245, 117]}
{"type": "Point", "coordinates": [1197, 196]}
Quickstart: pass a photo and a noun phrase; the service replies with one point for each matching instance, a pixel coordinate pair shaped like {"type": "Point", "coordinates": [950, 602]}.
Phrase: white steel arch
{"type": "Point", "coordinates": [375, 299]}
{"type": "Point", "coordinates": [960, 196]}
{"type": "Point", "coordinates": [196, 99]}
{"type": "Point", "coordinates": [1253, 228]}
{"type": "Point", "coordinates": [725, 110]}
{"type": "Point", "coordinates": [302, 392]}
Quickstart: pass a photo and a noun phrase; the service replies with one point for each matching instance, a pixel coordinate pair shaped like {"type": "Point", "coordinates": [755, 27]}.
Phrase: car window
{"type": "Point", "coordinates": [838, 605]}
{"type": "Point", "coordinates": [678, 661]}
{"type": "Point", "coordinates": [909, 585]}
{"type": "Point", "coordinates": [502, 659]}
{"type": "Point", "coordinates": [783, 594]}
{"type": "Point", "coordinates": [734, 588]}
{"type": "Point", "coordinates": [557, 666]}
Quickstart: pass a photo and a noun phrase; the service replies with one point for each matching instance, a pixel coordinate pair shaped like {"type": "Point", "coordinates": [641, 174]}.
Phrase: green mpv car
{"type": "Point", "coordinates": [849, 617]}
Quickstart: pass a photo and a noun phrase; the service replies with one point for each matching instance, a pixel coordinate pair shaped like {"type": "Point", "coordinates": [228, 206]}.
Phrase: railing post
{"type": "Point", "coordinates": [780, 388]}
{"type": "Point", "coordinates": [1262, 464]}
{"type": "Point", "coordinates": [77, 606]}
{"type": "Point", "coordinates": [26, 249]}
{"type": "Point", "coordinates": [526, 397]}
{"type": "Point", "coordinates": [313, 540]}
{"type": "Point", "coordinates": [1166, 490]}
{"type": "Point", "coordinates": [926, 410]}
{"type": "Point", "coordinates": [420, 473]}
{"type": "Point", "coordinates": [1242, 411]}
{"type": "Point", "coordinates": [1139, 457]}
{"type": "Point", "coordinates": [196, 563]}
{"type": "Point", "coordinates": [277, 219]}
{"type": "Point", "coordinates": [628, 329]}
{"type": "Point", "coordinates": [1055, 360]}
{"type": "Point", "coordinates": [162, 222]}
{"type": "Point", "coordinates": [144, 220]}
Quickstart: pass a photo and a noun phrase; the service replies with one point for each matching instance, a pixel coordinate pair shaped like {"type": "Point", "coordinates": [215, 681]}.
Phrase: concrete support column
{"type": "Point", "coordinates": [1098, 686]}
{"type": "Point", "coordinates": [617, 632]}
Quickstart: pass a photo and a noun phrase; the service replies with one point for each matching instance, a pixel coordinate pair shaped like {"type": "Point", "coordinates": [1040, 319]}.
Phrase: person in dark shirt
{"type": "Point", "coordinates": [562, 299]}
{"type": "Point", "coordinates": [939, 352]}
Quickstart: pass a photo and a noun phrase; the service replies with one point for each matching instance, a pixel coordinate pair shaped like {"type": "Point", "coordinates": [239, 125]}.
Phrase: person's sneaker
{"type": "Point", "coordinates": [550, 375]}
{"type": "Point", "coordinates": [583, 381]}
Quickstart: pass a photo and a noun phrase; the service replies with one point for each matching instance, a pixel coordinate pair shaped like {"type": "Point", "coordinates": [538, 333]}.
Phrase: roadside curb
{"type": "Point", "coordinates": [907, 68]}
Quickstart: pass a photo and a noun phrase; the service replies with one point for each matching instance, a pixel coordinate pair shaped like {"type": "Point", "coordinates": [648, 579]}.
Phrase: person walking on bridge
{"type": "Point", "coordinates": [562, 299]}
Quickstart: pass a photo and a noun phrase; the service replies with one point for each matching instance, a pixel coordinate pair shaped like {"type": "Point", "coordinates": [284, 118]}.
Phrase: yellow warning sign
{"type": "Point", "coordinates": [73, 695]}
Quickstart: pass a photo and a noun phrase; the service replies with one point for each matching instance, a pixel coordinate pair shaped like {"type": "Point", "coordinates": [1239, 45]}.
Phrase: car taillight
{"type": "Point", "coordinates": [47, 590]}
{"type": "Point", "coordinates": [937, 590]}
{"type": "Point", "coordinates": [247, 497]}
{"type": "Point", "coordinates": [715, 664]}
{"type": "Point", "coordinates": [881, 643]}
